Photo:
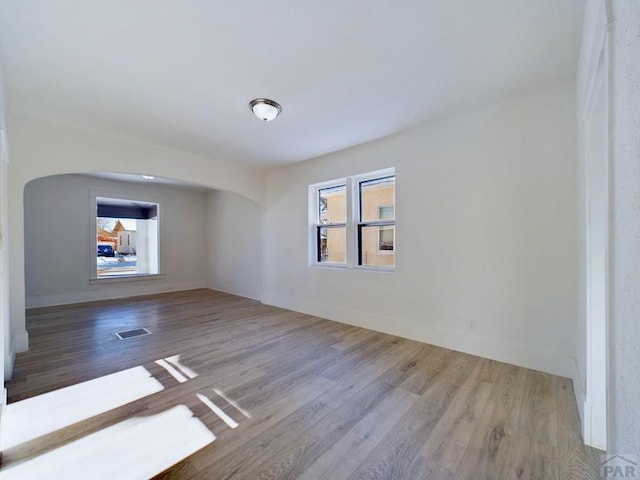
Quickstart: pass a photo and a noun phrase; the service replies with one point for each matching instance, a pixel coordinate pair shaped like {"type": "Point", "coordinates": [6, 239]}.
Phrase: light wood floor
{"type": "Point", "coordinates": [327, 400]}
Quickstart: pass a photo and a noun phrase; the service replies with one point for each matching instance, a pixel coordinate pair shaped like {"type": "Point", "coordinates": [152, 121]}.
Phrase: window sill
{"type": "Point", "coordinates": [373, 268]}
{"type": "Point", "coordinates": [365, 268]}
{"type": "Point", "coordinates": [127, 278]}
{"type": "Point", "coordinates": [330, 266]}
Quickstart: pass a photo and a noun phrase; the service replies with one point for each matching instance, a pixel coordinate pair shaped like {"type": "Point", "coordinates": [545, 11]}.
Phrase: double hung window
{"type": "Point", "coordinates": [353, 221]}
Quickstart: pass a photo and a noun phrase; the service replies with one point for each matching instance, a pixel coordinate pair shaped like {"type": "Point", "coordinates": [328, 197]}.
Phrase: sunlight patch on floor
{"type": "Point", "coordinates": [218, 411]}
{"type": "Point", "coordinates": [140, 447]}
{"type": "Point", "coordinates": [171, 370]}
{"type": "Point", "coordinates": [175, 361]}
{"type": "Point", "coordinates": [231, 402]}
{"type": "Point", "coordinates": [37, 416]}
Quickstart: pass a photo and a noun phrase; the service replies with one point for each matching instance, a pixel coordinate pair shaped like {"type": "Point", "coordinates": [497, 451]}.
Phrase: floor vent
{"type": "Point", "coordinates": [132, 333]}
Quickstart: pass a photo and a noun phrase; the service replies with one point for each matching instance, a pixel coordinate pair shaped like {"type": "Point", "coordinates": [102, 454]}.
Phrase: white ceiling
{"type": "Point", "coordinates": [181, 73]}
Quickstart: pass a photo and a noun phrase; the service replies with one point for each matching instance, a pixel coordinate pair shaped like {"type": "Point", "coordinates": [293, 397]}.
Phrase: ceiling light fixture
{"type": "Point", "coordinates": [148, 177]}
{"type": "Point", "coordinates": [265, 109]}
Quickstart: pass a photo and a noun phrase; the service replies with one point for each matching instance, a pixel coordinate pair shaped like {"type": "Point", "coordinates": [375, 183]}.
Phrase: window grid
{"type": "Point", "coordinates": [384, 219]}
{"type": "Point", "coordinates": [366, 213]}
{"type": "Point", "coordinates": [331, 218]}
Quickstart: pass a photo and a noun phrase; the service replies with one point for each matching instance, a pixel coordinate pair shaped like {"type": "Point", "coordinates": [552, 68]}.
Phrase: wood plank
{"type": "Point", "coordinates": [323, 400]}
{"type": "Point", "coordinates": [531, 459]}
{"type": "Point", "coordinates": [538, 415]}
{"type": "Point", "coordinates": [344, 457]}
{"type": "Point", "coordinates": [396, 454]}
{"type": "Point", "coordinates": [451, 435]}
{"type": "Point", "coordinates": [311, 429]}
{"type": "Point", "coordinates": [489, 450]}
{"type": "Point", "coordinates": [574, 460]}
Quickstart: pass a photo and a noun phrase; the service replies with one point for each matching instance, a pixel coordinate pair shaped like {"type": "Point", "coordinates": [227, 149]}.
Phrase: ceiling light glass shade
{"type": "Point", "coordinates": [265, 109]}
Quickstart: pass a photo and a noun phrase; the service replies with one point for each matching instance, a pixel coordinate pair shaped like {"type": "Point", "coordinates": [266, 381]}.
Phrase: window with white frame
{"type": "Point", "coordinates": [126, 238]}
{"type": "Point", "coordinates": [331, 230]}
{"type": "Point", "coordinates": [353, 221]}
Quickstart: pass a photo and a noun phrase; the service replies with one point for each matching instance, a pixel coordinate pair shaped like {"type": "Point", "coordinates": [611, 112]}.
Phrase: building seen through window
{"type": "Point", "coordinates": [368, 214]}
{"type": "Point", "coordinates": [126, 237]}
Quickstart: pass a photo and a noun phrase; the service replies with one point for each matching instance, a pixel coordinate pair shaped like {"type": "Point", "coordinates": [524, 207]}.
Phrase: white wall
{"type": "Point", "coordinates": [234, 244]}
{"type": "Point", "coordinates": [48, 148]}
{"type": "Point", "coordinates": [6, 359]}
{"type": "Point", "coordinates": [60, 243]}
{"type": "Point", "coordinates": [486, 233]}
{"type": "Point", "coordinates": [625, 227]}
{"type": "Point", "coordinates": [42, 148]}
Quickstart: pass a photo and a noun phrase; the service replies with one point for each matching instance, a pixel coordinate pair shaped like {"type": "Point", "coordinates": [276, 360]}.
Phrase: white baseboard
{"type": "Point", "coordinates": [19, 343]}
{"type": "Point", "coordinates": [579, 388]}
{"type": "Point", "coordinates": [9, 361]}
{"type": "Point", "coordinates": [235, 291]}
{"type": "Point", "coordinates": [496, 349]}
{"type": "Point", "coordinates": [590, 436]}
{"type": "Point", "coordinates": [108, 292]}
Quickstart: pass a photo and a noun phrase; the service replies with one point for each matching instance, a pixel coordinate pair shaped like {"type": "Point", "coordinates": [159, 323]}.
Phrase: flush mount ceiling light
{"type": "Point", "coordinates": [265, 109]}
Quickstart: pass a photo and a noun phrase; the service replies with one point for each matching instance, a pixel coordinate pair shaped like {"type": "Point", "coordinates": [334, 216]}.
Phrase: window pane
{"type": "Point", "coordinates": [115, 256]}
{"type": "Point", "coordinates": [386, 213]}
{"type": "Point", "coordinates": [126, 245]}
{"type": "Point", "coordinates": [377, 199]}
{"type": "Point", "coordinates": [333, 205]}
{"type": "Point", "coordinates": [332, 244]}
{"type": "Point", "coordinates": [386, 239]}
{"type": "Point", "coordinates": [377, 246]}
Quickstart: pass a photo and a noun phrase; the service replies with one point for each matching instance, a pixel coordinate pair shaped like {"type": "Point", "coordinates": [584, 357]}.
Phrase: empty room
{"type": "Point", "coordinates": [320, 240]}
